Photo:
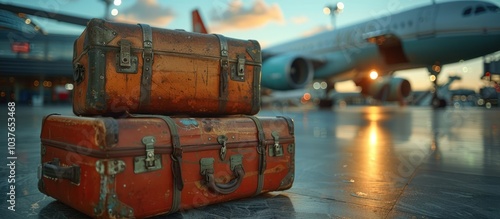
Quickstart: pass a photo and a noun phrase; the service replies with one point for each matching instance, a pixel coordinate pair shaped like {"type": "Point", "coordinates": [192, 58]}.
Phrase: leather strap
{"type": "Point", "coordinates": [147, 65]}
{"type": "Point", "coordinates": [224, 73]}
{"type": "Point", "coordinates": [289, 122]}
{"type": "Point", "coordinates": [176, 158]}
{"type": "Point", "coordinates": [261, 149]}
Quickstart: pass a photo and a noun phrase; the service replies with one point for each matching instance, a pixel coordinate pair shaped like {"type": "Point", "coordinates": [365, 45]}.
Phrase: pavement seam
{"type": "Point", "coordinates": [403, 190]}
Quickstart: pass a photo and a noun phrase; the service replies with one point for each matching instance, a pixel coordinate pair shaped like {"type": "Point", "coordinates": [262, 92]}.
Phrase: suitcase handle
{"type": "Point", "coordinates": [207, 171]}
{"type": "Point", "coordinates": [54, 170]}
{"type": "Point", "coordinates": [225, 188]}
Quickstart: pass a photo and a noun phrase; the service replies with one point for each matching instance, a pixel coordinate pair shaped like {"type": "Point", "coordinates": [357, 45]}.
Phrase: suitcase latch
{"type": "Point", "coordinates": [150, 150]}
{"type": "Point", "coordinates": [276, 150]}
{"type": "Point", "coordinates": [125, 61]}
{"type": "Point", "coordinates": [241, 66]}
{"type": "Point", "coordinates": [222, 139]}
{"type": "Point", "coordinates": [238, 70]}
{"type": "Point", "coordinates": [125, 53]}
{"type": "Point", "coordinates": [149, 162]}
{"type": "Point", "coordinates": [78, 73]}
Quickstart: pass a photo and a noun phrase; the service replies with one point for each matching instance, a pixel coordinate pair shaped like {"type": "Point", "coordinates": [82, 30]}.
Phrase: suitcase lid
{"type": "Point", "coordinates": [101, 33]}
{"type": "Point", "coordinates": [104, 137]}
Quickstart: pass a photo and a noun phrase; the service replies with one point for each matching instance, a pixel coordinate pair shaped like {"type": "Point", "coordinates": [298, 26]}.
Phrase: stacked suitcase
{"type": "Point", "coordinates": [164, 123]}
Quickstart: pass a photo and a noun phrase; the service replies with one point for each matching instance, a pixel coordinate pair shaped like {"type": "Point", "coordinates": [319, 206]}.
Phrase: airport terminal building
{"type": "Point", "coordinates": [35, 67]}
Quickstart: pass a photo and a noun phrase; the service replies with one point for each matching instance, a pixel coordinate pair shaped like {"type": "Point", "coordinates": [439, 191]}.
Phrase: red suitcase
{"type": "Point", "coordinates": [138, 69]}
{"type": "Point", "coordinates": [150, 165]}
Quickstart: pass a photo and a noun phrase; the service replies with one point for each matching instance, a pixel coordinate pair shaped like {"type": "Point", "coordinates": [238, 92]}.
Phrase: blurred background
{"type": "Point", "coordinates": [36, 51]}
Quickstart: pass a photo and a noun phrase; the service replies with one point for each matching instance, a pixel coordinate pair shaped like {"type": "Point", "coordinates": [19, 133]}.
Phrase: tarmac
{"type": "Point", "coordinates": [351, 162]}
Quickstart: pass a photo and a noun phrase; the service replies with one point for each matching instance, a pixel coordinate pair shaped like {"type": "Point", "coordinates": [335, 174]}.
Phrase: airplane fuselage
{"type": "Point", "coordinates": [435, 34]}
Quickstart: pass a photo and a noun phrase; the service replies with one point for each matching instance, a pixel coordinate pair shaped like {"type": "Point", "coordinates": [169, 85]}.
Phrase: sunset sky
{"type": "Point", "coordinates": [269, 21]}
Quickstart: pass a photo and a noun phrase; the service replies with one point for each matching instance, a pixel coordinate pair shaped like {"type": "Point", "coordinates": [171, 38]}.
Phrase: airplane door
{"type": "Point", "coordinates": [426, 22]}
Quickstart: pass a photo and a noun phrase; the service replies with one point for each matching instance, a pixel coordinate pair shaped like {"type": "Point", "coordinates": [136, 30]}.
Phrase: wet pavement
{"type": "Point", "coordinates": [353, 162]}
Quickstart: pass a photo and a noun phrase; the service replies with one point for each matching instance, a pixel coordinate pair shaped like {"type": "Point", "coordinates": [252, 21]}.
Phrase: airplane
{"type": "Point", "coordinates": [369, 52]}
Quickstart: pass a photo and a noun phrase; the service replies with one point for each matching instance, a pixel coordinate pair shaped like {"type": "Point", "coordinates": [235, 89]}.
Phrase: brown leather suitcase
{"type": "Point", "coordinates": [138, 69]}
{"type": "Point", "coordinates": [150, 165]}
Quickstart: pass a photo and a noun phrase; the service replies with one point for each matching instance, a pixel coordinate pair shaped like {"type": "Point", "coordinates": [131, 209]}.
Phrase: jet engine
{"type": "Point", "coordinates": [286, 72]}
{"type": "Point", "coordinates": [388, 88]}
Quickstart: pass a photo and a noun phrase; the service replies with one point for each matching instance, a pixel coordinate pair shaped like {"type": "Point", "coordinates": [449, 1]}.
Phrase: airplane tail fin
{"type": "Point", "coordinates": [198, 25]}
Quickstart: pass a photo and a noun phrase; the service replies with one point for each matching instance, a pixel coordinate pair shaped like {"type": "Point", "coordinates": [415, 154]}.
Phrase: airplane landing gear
{"type": "Point", "coordinates": [437, 102]}
{"type": "Point", "coordinates": [326, 101]}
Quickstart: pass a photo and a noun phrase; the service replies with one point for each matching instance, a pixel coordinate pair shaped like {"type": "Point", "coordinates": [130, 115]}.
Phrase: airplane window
{"type": "Point", "coordinates": [410, 23]}
{"type": "Point", "coordinates": [494, 8]}
{"type": "Point", "coordinates": [467, 11]}
{"type": "Point", "coordinates": [479, 10]}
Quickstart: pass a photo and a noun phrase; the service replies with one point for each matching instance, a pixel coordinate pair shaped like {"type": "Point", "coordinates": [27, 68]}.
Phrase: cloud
{"type": "Point", "coordinates": [237, 17]}
{"type": "Point", "coordinates": [300, 20]}
{"type": "Point", "coordinates": [315, 30]}
{"type": "Point", "coordinates": [147, 11]}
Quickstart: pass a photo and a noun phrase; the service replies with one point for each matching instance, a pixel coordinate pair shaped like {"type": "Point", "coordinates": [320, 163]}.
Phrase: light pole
{"type": "Point", "coordinates": [333, 11]}
{"type": "Point", "coordinates": [108, 3]}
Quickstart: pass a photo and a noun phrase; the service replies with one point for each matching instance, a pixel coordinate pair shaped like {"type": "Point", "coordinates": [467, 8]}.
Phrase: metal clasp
{"type": "Point", "coordinates": [276, 150]}
{"type": "Point", "coordinates": [78, 73]}
{"type": "Point", "coordinates": [241, 67]}
{"type": "Point", "coordinates": [150, 150]}
{"type": "Point", "coordinates": [206, 166]}
{"type": "Point", "coordinates": [126, 62]}
{"type": "Point", "coordinates": [125, 53]}
{"type": "Point", "coordinates": [222, 139]}
{"type": "Point", "coordinates": [151, 161]}
{"type": "Point", "coordinates": [238, 68]}
{"type": "Point", "coordinates": [236, 160]}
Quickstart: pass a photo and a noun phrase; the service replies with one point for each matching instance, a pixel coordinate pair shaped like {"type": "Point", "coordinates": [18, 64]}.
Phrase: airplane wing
{"type": "Point", "coordinates": [52, 15]}
{"type": "Point", "coordinates": [389, 45]}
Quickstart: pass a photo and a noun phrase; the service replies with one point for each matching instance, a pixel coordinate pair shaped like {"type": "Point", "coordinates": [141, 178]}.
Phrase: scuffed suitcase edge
{"type": "Point", "coordinates": [287, 182]}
